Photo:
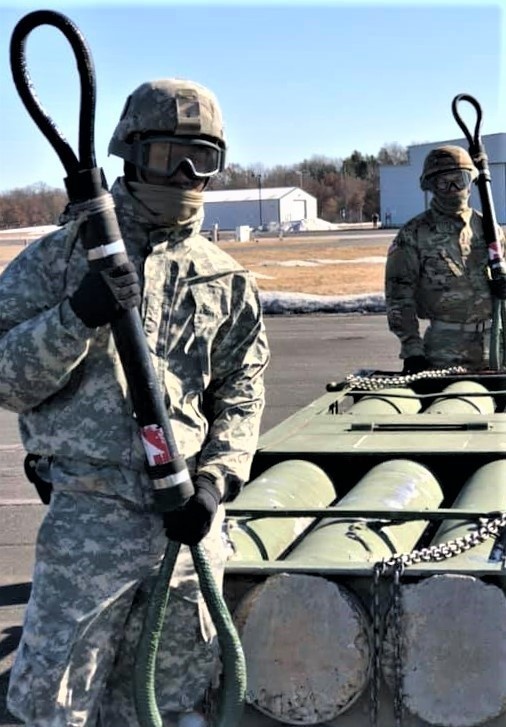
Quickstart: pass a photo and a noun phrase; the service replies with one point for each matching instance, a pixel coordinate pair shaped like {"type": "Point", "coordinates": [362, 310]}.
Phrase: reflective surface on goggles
{"type": "Point", "coordinates": [165, 156]}
{"type": "Point", "coordinates": [445, 182]}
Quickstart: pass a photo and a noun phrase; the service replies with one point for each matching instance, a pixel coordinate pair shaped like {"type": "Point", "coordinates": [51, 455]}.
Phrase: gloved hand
{"type": "Point", "coordinates": [498, 287]}
{"type": "Point", "coordinates": [190, 523]}
{"type": "Point", "coordinates": [415, 364]}
{"type": "Point", "coordinates": [103, 296]}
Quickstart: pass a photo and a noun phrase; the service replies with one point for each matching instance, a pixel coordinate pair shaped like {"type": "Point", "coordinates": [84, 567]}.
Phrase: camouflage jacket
{"type": "Point", "coordinates": [204, 328]}
{"type": "Point", "coordinates": [436, 269]}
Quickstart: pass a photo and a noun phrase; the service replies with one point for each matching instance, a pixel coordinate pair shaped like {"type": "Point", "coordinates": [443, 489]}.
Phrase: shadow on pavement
{"type": "Point", "coordinates": [15, 594]}
{"type": "Point", "coordinates": [6, 720]}
{"type": "Point", "coordinates": [9, 639]}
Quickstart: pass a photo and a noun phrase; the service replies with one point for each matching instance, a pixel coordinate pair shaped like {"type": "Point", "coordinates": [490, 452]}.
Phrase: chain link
{"type": "Point", "coordinates": [377, 635]}
{"type": "Point", "coordinates": [374, 383]}
{"type": "Point", "coordinates": [397, 615]}
{"type": "Point", "coordinates": [395, 565]}
{"type": "Point", "coordinates": [487, 527]}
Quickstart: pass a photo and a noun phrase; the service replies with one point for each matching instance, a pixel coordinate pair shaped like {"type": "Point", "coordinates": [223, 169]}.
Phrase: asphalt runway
{"type": "Point", "coordinates": [307, 352]}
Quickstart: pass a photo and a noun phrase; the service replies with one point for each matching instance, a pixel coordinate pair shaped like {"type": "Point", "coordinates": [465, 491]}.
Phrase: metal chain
{"type": "Point", "coordinates": [373, 383]}
{"type": "Point", "coordinates": [377, 635]}
{"type": "Point", "coordinates": [395, 566]}
{"type": "Point", "coordinates": [397, 615]}
{"type": "Point", "coordinates": [443, 551]}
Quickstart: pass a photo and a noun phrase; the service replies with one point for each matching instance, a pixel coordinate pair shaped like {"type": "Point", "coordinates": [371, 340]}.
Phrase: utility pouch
{"type": "Point", "coordinates": [37, 471]}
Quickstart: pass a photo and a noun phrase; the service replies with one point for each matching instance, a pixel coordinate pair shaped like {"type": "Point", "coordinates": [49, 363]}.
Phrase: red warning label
{"type": "Point", "coordinates": [155, 445]}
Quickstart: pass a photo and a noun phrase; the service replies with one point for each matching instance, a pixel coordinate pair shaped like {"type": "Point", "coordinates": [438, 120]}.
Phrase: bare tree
{"type": "Point", "coordinates": [30, 206]}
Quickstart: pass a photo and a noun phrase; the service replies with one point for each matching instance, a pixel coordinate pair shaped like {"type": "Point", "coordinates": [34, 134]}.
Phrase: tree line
{"type": "Point", "coordinates": [345, 189]}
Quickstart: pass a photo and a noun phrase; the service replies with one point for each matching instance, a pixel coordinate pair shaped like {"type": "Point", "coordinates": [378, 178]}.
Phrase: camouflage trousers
{"type": "Point", "coordinates": [448, 347]}
{"type": "Point", "coordinates": [96, 557]}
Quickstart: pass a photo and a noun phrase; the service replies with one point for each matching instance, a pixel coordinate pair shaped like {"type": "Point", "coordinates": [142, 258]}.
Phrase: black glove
{"type": "Point", "coordinates": [190, 523]}
{"type": "Point", "coordinates": [103, 296]}
{"type": "Point", "coordinates": [498, 287]}
{"type": "Point", "coordinates": [415, 364]}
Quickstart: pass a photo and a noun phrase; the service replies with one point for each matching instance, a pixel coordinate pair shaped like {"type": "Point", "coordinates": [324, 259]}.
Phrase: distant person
{"type": "Point", "coordinates": [101, 541]}
{"type": "Point", "coordinates": [375, 219]}
{"type": "Point", "coordinates": [388, 219]}
{"type": "Point", "coordinates": [437, 269]}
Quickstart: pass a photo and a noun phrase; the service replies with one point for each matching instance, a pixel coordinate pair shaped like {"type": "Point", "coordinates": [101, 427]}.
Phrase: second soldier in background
{"type": "Point", "coordinates": [437, 269]}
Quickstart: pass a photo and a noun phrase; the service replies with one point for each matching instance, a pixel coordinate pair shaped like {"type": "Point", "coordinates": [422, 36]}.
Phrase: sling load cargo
{"type": "Point", "coordinates": [388, 608]}
{"type": "Point", "coordinates": [380, 602]}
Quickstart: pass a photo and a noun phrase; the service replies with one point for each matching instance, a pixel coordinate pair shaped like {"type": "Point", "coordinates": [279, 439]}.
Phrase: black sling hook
{"type": "Point", "coordinates": [474, 141]}
{"type": "Point", "coordinates": [496, 262]}
{"type": "Point", "coordinates": [87, 190]}
{"type": "Point", "coordinates": [72, 164]}
{"type": "Point", "coordinates": [478, 154]}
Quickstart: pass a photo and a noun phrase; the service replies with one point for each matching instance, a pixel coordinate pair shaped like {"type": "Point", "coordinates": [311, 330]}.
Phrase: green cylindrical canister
{"type": "Point", "coordinates": [484, 491]}
{"type": "Point", "coordinates": [404, 401]}
{"type": "Point", "coordinates": [293, 483]}
{"type": "Point", "coordinates": [452, 632]}
{"type": "Point", "coordinates": [463, 404]}
{"type": "Point", "coordinates": [393, 485]}
{"type": "Point", "coordinates": [307, 641]}
{"type": "Point", "coordinates": [461, 647]}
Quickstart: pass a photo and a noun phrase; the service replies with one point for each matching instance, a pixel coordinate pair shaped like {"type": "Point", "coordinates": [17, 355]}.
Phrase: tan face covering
{"type": "Point", "coordinates": [167, 206]}
{"type": "Point", "coordinates": [451, 204]}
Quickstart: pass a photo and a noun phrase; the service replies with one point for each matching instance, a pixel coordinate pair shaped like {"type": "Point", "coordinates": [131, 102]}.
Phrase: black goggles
{"type": "Point", "coordinates": [446, 181]}
{"type": "Point", "coordinates": [164, 155]}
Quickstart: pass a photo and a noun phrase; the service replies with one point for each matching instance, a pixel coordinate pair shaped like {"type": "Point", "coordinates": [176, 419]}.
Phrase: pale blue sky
{"type": "Point", "coordinates": [294, 79]}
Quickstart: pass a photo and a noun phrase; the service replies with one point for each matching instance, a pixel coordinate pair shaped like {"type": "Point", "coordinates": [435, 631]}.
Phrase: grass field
{"type": "Point", "coordinates": [321, 271]}
{"type": "Point", "coordinates": [301, 268]}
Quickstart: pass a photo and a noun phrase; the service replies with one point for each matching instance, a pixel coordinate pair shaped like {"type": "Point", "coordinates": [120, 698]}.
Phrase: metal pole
{"type": "Point", "coordinates": [259, 179]}
{"type": "Point", "coordinates": [345, 191]}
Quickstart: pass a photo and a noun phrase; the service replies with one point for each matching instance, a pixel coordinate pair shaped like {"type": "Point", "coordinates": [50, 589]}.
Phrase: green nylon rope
{"type": "Point", "coordinates": [234, 665]}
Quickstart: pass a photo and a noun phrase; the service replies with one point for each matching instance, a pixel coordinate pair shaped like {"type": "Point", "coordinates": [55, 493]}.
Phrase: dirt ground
{"type": "Point", "coordinates": [307, 269]}
{"type": "Point", "coordinates": [8, 252]}
{"type": "Point", "coordinates": [303, 268]}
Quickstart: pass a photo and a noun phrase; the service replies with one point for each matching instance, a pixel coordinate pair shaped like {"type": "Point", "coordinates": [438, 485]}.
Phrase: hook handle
{"type": "Point", "coordinates": [24, 86]}
{"type": "Point", "coordinates": [474, 141]}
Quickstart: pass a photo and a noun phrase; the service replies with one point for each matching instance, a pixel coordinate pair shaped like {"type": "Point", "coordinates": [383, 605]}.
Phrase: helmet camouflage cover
{"type": "Point", "coordinates": [171, 106]}
{"type": "Point", "coordinates": [446, 159]}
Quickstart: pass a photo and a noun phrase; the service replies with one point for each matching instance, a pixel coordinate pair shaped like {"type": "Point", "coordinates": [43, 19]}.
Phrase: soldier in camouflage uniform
{"type": "Point", "coordinates": [437, 269]}
{"type": "Point", "coordinates": [100, 543]}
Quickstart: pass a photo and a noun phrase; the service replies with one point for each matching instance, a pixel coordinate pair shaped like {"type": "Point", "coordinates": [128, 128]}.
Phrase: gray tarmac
{"type": "Point", "coordinates": [307, 352]}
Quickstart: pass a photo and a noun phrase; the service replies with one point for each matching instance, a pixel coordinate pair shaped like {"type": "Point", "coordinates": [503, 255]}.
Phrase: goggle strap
{"type": "Point", "coordinates": [126, 151]}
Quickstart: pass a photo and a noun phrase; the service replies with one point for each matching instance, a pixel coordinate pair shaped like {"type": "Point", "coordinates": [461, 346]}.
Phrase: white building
{"type": "Point", "coordinates": [401, 197]}
{"type": "Point", "coordinates": [230, 208]}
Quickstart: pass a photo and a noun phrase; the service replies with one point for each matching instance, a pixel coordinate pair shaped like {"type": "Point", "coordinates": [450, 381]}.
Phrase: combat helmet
{"type": "Point", "coordinates": [446, 159]}
{"type": "Point", "coordinates": [171, 106]}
